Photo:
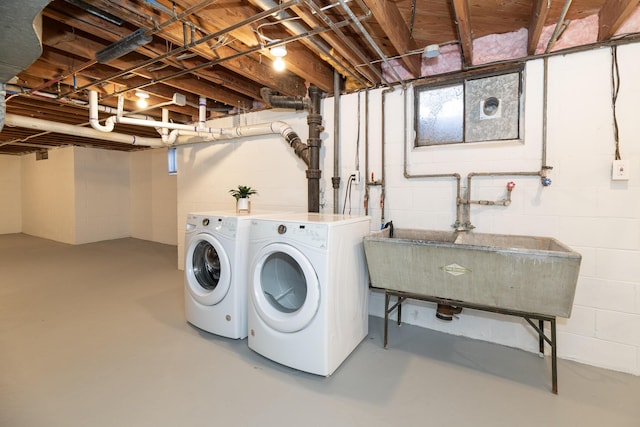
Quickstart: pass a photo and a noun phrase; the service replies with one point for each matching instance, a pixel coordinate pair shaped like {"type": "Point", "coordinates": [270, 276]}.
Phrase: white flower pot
{"type": "Point", "coordinates": [243, 205]}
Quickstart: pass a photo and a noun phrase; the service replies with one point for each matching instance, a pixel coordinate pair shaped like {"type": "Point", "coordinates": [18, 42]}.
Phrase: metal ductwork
{"type": "Point", "coordinates": [21, 33]}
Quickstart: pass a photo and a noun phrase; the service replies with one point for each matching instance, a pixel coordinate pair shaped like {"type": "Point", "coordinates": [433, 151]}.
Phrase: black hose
{"type": "Point", "coordinates": [389, 225]}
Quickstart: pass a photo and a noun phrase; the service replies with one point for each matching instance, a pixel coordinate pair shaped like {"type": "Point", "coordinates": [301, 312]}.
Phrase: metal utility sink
{"type": "Point", "coordinates": [520, 273]}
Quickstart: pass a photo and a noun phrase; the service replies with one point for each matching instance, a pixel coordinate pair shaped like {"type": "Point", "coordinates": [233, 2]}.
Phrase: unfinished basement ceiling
{"type": "Point", "coordinates": [220, 50]}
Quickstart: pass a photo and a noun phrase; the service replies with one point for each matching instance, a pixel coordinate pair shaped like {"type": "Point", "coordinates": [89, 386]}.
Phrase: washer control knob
{"type": "Point", "coordinates": [282, 229]}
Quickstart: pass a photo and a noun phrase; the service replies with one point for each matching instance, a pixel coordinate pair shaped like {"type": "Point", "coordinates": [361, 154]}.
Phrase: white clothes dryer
{"type": "Point", "coordinates": [308, 289]}
{"type": "Point", "coordinates": [216, 269]}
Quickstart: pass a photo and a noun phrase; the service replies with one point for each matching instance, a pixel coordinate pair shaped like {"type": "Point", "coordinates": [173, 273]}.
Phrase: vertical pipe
{"type": "Point", "coordinates": [202, 112]}
{"type": "Point", "coordinates": [165, 131]}
{"type": "Point", "coordinates": [335, 181]}
{"type": "Point", "coordinates": [366, 152]}
{"type": "Point", "coordinates": [545, 93]}
{"type": "Point", "coordinates": [382, 174]}
{"type": "Point", "coordinates": [314, 120]}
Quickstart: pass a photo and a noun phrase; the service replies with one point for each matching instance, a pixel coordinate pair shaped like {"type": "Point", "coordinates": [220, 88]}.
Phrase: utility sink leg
{"type": "Point", "coordinates": [554, 358]}
{"type": "Point", "coordinates": [386, 318]}
{"type": "Point", "coordinates": [541, 337]}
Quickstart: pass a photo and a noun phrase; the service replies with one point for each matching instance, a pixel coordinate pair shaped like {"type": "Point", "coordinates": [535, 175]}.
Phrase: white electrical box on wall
{"type": "Point", "coordinates": [620, 170]}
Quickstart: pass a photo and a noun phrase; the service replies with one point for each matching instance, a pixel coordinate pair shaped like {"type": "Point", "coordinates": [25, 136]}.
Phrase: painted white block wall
{"type": "Point", "coordinates": [583, 208]}
{"type": "Point", "coordinates": [102, 195]}
{"type": "Point", "coordinates": [48, 195]}
{"type": "Point", "coordinates": [153, 197]}
{"type": "Point", "coordinates": [80, 195]}
{"type": "Point", "coordinates": [10, 194]}
{"type": "Point", "coordinates": [206, 172]}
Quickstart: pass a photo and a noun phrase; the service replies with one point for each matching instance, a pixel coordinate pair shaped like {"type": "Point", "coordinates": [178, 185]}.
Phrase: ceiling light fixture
{"type": "Point", "coordinates": [279, 64]}
{"type": "Point", "coordinates": [431, 51]}
{"type": "Point", "coordinates": [279, 52]}
{"type": "Point", "coordinates": [142, 99]}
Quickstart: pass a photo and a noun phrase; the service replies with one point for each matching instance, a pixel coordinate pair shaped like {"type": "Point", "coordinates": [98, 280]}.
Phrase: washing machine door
{"type": "Point", "coordinates": [285, 291]}
{"type": "Point", "coordinates": [207, 269]}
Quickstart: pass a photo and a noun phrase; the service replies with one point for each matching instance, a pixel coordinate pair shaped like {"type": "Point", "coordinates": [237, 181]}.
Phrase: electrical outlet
{"type": "Point", "coordinates": [620, 170]}
{"type": "Point", "coordinates": [356, 177]}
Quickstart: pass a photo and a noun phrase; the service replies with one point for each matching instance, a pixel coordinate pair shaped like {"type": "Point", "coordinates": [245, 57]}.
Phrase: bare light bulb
{"type": "Point", "coordinates": [142, 99]}
{"type": "Point", "coordinates": [279, 64]}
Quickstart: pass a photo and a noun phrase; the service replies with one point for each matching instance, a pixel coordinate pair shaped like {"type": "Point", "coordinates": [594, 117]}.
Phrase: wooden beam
{"type": "Point", "coordinates": [247, 66]}
{"type": "Point", "coordinates": [57, 36]}
{"type": "Point", "coordinates": [300, 61]}
{"type": "Point", "coordinates": [339, 50]}
{"type": "Point", "coordinates": [463, 24]}
{"type": "Point", "coordinates": [612, 15]}
{"type": "Point", "coordinates": [539, 12]}
{"type": "Point", "coordinates": [393, 24]}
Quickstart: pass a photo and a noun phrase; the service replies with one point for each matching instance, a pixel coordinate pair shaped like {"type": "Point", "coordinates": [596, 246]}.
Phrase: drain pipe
{"type": "Point", "coordinates": [368, 183]}
{"type": "Point", "coordinates": [312, 148]}
{"type": "Point", "coordinates": [335, 181]}
{"type": "Point", "coordinates": [314, 120]}
{"type": "Point", "coordinates": [384, 140]}
{"type": "Point", "coordinates": [297, 103]}
{"type": "Point", "coordinates": [197, 133]}
{"type": "Point", "coordinates": [48, 126]}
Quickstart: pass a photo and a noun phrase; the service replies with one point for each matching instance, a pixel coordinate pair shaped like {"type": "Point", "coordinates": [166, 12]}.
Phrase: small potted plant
{"type": "Point", "coordinates": [242, 194]}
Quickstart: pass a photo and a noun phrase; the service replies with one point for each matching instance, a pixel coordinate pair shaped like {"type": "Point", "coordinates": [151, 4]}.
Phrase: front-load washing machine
{"type": "Point", "coordinates": [216, 269]}
{"type": "Point", "coordinates": [308, 289]}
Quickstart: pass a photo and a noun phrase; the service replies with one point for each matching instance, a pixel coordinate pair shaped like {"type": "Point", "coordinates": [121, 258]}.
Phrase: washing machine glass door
{"type": "Point", "coordinates": [208, 269]}
{"type": "Point", "coordinates": [284, 288]}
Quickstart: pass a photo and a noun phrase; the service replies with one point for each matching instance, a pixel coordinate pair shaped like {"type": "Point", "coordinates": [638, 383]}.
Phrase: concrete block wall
{"type": "Point", "coordinates": [583, 208]}
{"type": "Point", "coordinates": [102, 195]}
{"type": "Point", "coordinates": [80, 195]}
{"type": "Point", "coordinates": [153, 197]}
{"type": "Point", "coordinates": [10, 194]}
{"type": "Point", "coordinates": [48, 195]}
{"type": "Point", "coordinates": [206, 172]}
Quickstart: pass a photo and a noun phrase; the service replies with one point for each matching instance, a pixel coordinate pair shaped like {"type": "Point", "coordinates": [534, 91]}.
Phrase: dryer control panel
{"type": "Point", "coordinates": [225, 226]}
{"type": "Point", "coordinates": [309, 234]}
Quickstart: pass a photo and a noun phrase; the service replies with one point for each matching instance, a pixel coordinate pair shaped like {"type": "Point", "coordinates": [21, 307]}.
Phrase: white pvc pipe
{"type": "Point", "coordinates": [201, 133]}
{"type": "Point", "coordinates": [45, 125]}
{"type": "Point", "coordinates": [93, 114]}
{"type": "Point", "coordinates": [211, 134]}
{"type": "Point", "coordinates": [202, 112]}
{"type": "Point", "coordinates": [164, 133]}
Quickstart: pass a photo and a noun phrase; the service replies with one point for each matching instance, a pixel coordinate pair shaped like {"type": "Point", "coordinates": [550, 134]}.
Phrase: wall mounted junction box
{"type": "Point", "coordinates": [620, 170]}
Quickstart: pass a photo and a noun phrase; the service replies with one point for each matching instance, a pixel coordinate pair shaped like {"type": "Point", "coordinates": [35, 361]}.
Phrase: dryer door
{"type": "Point", "coordinates": [207, 269]}
{"type": "Point", "coordinates": [285, 291]}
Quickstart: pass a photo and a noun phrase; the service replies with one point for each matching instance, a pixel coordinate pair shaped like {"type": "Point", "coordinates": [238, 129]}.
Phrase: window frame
{"type": "Point", "coordinates": [461, 79]}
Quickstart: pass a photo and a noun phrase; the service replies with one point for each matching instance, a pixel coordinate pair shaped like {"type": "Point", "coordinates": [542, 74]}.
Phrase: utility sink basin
{"type": "Point", "coordinates": [520, 273]}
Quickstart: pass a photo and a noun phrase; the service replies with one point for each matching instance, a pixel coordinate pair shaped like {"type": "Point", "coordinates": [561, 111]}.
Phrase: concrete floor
{"type": "Point", "coordinates": [94, 335]}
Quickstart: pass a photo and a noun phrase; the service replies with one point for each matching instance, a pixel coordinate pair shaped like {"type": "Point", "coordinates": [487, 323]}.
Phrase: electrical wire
{"type": "Point", "coordinates": [347, 193]}
{"type": "Point", "coordinates": [358, 137]}
{"type": "Point", "coordinates": [615, 88]}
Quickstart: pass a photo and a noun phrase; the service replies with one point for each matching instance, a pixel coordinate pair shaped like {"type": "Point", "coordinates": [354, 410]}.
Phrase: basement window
{"type": "Point", "coordinates": [472, 109]}
{"type": "Point", "coordinates": [172, 163]}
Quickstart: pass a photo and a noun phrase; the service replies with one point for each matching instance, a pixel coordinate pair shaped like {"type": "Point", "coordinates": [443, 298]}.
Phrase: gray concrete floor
{"type": "Point", "coordinates": [95, 335]}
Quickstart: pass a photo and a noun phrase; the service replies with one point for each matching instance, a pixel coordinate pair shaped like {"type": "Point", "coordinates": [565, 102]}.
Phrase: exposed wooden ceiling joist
{"type": "Point", "coordinates": [219, 50]}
